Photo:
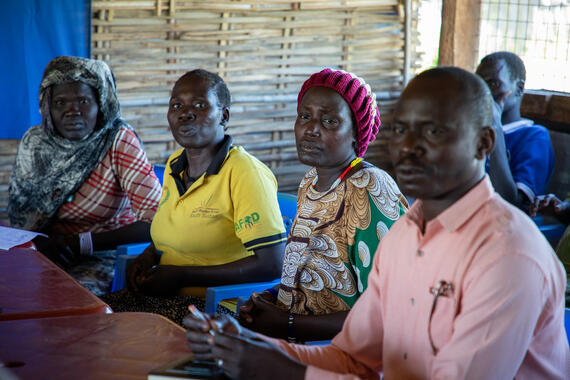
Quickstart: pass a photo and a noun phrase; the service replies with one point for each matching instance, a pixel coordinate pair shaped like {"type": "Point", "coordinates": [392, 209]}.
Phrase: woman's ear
{"type": "Point", "coordinates": [486, 142]}
{"type": "Point", "coordinates": [225, 117]}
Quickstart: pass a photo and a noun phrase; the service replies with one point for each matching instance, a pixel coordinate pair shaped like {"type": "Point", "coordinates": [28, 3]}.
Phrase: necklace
{"type": "Point", "coordinates": [352, 164]}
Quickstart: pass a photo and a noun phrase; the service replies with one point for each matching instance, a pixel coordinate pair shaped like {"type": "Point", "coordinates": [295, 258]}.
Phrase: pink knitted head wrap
{"type": "Point", "coordinates": [358, 95]}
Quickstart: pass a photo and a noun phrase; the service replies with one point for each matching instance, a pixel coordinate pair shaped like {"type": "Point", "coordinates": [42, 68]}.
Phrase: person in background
{"type": "Point", "coordinates": [82, 176]}
{"type": "Point", "coordinates": [463, 286]}
{"type": "Point", "coordinates": [550, 205]}
{"type": "Point", "coordinates": [218, 221]}
{"type": "Point", "coordinates": [344, 208]}
{"type": "Point", "coordinates": [522, 163]}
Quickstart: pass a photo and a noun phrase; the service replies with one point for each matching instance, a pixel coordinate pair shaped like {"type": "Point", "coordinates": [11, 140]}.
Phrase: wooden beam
{"type": "Point", "coordinates": [551, 109]}
{"type": "Point", "coordinates": [459, 38]}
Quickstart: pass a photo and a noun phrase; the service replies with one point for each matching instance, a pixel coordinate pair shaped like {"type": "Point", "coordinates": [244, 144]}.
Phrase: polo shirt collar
{"type": "Point", "coordinates": [180, 163]}
{"type": "Point", "coordinates": [515, 125]}
{"type": "Point", "coordinates": [458, 213]}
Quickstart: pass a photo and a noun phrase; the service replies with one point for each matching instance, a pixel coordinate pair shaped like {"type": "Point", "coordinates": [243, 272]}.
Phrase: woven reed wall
{"type": "Point", "coordinates": [263, 49]}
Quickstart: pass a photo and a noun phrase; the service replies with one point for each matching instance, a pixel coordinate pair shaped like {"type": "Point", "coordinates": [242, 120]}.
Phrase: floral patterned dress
{"type": "Point", "coordinates": [333, 239]}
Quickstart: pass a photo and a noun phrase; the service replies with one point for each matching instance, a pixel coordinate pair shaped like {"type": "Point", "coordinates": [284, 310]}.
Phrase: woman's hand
{"type": "Point", "coordinates": [141, 265]}
{"type": "Point", "coordinates": [266, 317]}
{"type": "Point", "coordinates": [549, 205]}
{"type": "Point", "coordinates": [57, 249]}
{"type": "Point", "coordinates": [247, 310]}
{"type": "Point", "coordinates": [160, 280]}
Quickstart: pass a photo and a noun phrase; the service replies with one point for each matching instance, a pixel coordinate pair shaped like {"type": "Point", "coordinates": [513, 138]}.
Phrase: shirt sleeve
{"type": "Point", "coordinates": [257, 219]}
{"type": "Point", "coordinates": [495, 321]}
{"type": "Point", "coordinates": [532, 161]}
{"type": "Point", "coordinates": [135, 174]}
{"type": "Point", "coordinates": [324, 362]}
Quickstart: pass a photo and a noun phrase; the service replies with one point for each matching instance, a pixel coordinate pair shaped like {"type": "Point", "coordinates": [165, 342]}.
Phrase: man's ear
{"type": "Point", "coordinates": [520, 88]}
{"type": "Point", "coordinates": [486, 142]}
{"type": "Point", "coordinates": [225, 117]}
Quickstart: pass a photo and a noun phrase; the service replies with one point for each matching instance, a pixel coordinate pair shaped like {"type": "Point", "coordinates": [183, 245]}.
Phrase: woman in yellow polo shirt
{"type": "Point", "coordinates": [218, 221]}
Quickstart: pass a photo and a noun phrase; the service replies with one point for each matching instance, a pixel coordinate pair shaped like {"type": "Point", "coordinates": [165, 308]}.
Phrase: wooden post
{"type": "Point", "coordinates": [407, 40]}
{"type": "Point", "coordinates": [459, 39]}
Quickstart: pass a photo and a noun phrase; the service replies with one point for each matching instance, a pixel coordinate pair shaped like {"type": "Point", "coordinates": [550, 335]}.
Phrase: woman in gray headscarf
{"type": "Point", "coordinates": [81, 176]}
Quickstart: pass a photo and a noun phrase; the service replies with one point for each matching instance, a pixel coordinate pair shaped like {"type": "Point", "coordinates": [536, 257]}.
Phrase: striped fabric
{"type": "Point", "coordinates": [121, 190]}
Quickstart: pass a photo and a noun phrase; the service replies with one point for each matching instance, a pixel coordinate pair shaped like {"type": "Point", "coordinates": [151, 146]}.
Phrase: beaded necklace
{"type": "Point", "coordinates": [352, 164]}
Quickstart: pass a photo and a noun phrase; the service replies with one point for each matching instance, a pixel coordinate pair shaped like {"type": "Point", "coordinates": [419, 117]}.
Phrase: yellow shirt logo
{"type": "Point", "coordinates": [247, 222]}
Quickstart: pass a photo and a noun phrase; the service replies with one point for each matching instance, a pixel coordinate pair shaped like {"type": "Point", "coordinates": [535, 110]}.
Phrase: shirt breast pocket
{"type": "Point", "coordinates": [440, 328]}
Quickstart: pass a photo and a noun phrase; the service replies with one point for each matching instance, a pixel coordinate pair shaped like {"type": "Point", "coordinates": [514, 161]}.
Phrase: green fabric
{"type": "Point", "coordinates": [370, 237]}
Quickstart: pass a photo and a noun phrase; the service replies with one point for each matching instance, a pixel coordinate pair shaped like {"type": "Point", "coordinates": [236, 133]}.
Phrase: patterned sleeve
{"type": "Point", "coordinates": [135, 174]}
{"type": "Point", "coordinates": [383, 204]}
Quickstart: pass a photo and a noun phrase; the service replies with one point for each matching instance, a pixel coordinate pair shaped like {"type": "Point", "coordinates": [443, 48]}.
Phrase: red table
{"type": "Point", "coordinates": [31, 286]}
{"type": "Point", "coordinates": [112, 346]}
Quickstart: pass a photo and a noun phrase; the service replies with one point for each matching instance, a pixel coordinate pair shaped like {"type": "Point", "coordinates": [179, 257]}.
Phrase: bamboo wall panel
{"type": "Point", "coordinates": [264, 50]}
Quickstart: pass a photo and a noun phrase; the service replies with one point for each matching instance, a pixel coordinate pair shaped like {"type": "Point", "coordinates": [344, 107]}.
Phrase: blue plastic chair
{"type": "Point", "coordinates": [552, 232]}
{"type": "Point", "coordinates": [124, 250]}
{"type": "Point", "coordinates": [215, 294]}
{"type": "Point", "coordinates": [125, 253]}
{"type": "Point", "coordinates": [288, 208]}
{"type": "Point", "coordinates": [159, 171]}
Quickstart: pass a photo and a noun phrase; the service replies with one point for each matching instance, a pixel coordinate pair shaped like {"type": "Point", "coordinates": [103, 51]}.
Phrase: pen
{"type": "Point", "coordinates": [199, 315]}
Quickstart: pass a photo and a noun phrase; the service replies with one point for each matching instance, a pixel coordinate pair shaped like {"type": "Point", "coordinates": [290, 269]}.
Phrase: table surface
{"type": "Point", "coordinates": [104, 346]}
{"type": "Point", "coordinates": [31, 286]}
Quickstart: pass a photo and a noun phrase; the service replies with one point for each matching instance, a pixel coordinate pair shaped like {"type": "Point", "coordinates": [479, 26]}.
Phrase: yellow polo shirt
{"type": "Point", "coordinates": [223, 216]}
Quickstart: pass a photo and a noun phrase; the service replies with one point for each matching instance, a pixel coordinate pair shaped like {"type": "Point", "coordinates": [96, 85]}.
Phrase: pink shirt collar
{"type": "Point", "coordinates": [458, 213]}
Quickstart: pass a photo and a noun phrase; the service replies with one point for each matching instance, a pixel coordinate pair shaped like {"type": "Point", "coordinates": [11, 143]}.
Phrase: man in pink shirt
{"type": "Point", "coordinates": [463, 287]}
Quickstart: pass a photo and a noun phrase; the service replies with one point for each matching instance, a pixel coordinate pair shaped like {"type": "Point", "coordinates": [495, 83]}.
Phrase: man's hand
{"type": "Point", "coordinates": [498, 107]}
{"type": "Point", "coordinates": [202, 327]}
{"type": "Point", "coordinates": [549, 205]}
{"type": "Point", "coordinates": [238, 351]}
{"type": "Point", "coordinates": [246, 358]}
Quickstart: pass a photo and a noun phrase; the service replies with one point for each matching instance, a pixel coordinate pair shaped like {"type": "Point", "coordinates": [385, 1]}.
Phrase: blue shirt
{"type": "Point", "coordinates": [530, 155]}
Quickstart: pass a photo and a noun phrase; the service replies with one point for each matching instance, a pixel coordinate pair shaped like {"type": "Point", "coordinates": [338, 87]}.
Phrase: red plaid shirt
{"type": "Point", "coordinates": [121, 190]}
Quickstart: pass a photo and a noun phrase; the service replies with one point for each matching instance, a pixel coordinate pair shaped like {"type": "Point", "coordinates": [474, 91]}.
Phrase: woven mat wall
{"type": "Point", "coordinates": [263, 49]}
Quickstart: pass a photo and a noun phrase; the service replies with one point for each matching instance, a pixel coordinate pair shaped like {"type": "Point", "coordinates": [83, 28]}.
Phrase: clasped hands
{"type": "Point", "coordinates": [240, 353]}
{"type": "Point", "coordinates": [61, 249]}
{"type": "Point", "coordinates": [145, 275]}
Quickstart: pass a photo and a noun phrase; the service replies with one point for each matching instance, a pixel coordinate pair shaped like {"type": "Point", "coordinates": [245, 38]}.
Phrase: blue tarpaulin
{"type": "Point", "coordinates": [32, 32]}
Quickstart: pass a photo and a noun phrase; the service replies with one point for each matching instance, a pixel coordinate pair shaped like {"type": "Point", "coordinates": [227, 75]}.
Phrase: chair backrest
{"type": "Point", "coordinates": [288, 207]}
{"type": "Point", "coordinates": [159, 171]}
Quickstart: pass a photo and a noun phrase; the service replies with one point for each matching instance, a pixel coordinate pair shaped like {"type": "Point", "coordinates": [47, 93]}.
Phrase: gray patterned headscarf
{"type": "Point", "coordinates": [50, 168]}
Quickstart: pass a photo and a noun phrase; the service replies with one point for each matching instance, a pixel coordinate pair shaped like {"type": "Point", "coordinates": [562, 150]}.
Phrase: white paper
{"type": "Point", "coordinates": [11, 237]}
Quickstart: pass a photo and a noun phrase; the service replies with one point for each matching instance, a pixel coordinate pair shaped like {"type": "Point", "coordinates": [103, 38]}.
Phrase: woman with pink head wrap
{"type": "Point", "coordinates": [344, 207]}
